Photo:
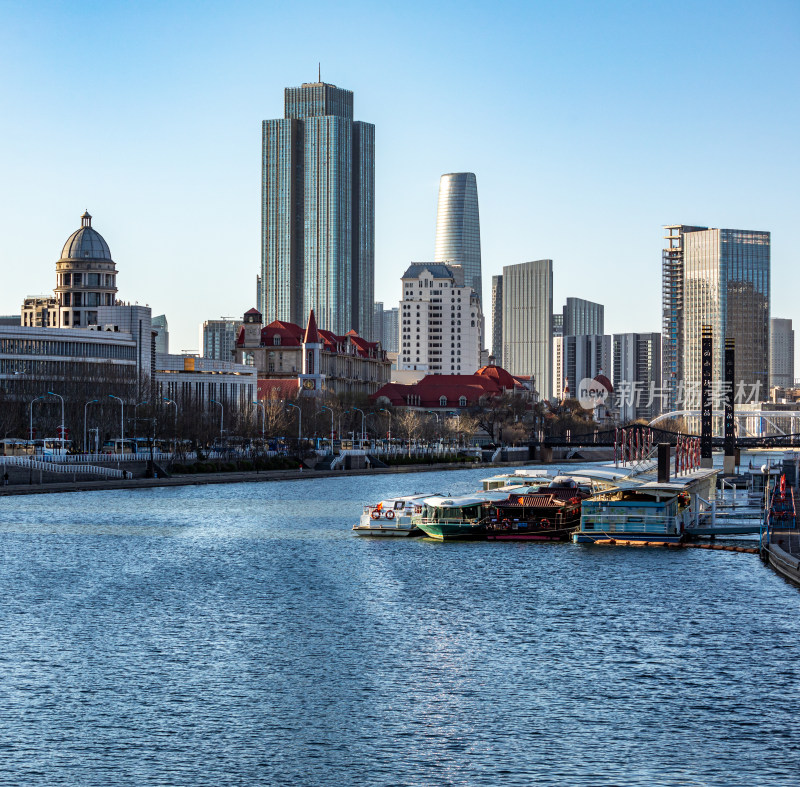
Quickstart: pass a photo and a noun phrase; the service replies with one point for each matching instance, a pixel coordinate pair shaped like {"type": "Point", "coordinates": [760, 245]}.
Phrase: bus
{"type": "Point", "coordinates": [12, 447]}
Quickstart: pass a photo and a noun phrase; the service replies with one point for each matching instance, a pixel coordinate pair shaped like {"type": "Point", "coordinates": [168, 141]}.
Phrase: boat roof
{"type": "Point", "coordinates": [440, 501]}
{"type": "Point", "coordinates": [522, 473]}
{"type": "Point", "coordinates": [406, 498]}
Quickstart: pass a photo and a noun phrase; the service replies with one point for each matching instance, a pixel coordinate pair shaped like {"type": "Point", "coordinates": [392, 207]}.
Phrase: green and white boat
{"type": "Point", "coordinates": [465, 517]}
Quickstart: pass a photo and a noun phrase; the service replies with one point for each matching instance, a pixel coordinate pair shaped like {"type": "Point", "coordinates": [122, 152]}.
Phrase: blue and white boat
{"type": "Point", "coordinates": [641, 509]}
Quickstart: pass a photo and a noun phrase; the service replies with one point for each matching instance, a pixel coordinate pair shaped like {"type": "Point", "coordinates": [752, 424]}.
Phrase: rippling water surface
{"type": "Point", "coordinates": [241, 635]}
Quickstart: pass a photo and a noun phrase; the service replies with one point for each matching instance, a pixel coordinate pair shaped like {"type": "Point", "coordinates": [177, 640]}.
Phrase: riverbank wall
{"type": "Point", "coordinates": [251, 476]}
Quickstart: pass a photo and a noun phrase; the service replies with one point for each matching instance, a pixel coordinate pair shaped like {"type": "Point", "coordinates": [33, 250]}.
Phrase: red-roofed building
{"type": "Point", "coordinates": [451, 391]}
{"type": "Point", "coordinates": [311, 359]}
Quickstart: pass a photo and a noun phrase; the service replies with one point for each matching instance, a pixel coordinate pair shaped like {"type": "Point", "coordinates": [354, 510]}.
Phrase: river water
{"type": "Point", "coordinates": [241, 635]}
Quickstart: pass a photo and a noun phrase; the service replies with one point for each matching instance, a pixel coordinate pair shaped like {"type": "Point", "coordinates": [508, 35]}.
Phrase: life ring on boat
{"type": "Point", "coordinates": [375, 514]}
{"type": "Point", "coordinates": [544, 523]}
{"type": "Point", "coordinates": [505, 524]}
{"type": "Point", "coordinates": [389, 514]}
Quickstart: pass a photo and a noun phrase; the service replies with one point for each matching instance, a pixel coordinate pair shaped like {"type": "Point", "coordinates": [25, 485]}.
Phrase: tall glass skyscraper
{"type": "Point", "coordinates": [727, 286]}
{"type": "Point", "coordinates": [318, 212]}
{"type": "Point", "coordinates": [458, 227]}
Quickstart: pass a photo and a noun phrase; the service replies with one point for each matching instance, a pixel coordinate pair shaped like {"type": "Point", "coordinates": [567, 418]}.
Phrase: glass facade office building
{"type": "Point", "coordinates": [727, 286]}
{"type": "Point", "coordinates": [528, 322]}
{"type": "Point", "coordinates": [582, 318]}
{"type": "Point", "coordinates": [318, 212]}
{"type": "Point", "coordinates": [458, 227]}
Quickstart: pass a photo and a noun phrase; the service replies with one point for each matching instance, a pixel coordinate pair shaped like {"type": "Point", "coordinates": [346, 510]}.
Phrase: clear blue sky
{"type": "Point", "coordinates": [588, 125]}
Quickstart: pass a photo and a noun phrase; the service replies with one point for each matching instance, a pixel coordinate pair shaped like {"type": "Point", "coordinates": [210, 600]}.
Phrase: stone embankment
{"type": "Point", "coordinates": [197, 479]}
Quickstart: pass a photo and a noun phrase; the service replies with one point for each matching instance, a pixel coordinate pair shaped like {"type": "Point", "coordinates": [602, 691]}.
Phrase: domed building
{"type": "Point", "coordinates": [86, 277]}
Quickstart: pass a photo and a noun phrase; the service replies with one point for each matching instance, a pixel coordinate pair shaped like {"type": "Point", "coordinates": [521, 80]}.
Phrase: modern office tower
{"type": "Point", "coordinates": [781, 344]}
{"type": "Point", "coordinates": [258, 290]}
{"type": "Point", "coordinates": [637, 376]}
{"type": "Point", "coordinates": [727, 286]}
{"type": "Point", "coordinates": [386, 327]}
{"type": "Point", "coordinates": [528, 322]}
{"type": "Point", "coordinates": [582, 318]}
{"type": "Point", "coordinates": [218, 338]}
{"type": "Point", "coordinates": [440, 321]}
{"type": "Point", "coordinates": [497, 319]}
{"type": "Point", "coordinates": [458, 227]}
{"type": "Point", "coordinates": [585, 357]}
{"type": "Point", "coordinates": [558, 324]}
{"type": "Point", "coordinates": [672, 283]}
{"type": "Point", "coordinates": [160, 328]}
{"type": "Point", "coordinates": [318, 211]}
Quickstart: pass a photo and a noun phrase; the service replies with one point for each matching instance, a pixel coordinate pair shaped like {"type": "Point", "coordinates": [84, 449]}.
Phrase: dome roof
{"type": "Point", "coordinates": [86, 243]}
{"type": "Point", "coordinates": [499, 375]}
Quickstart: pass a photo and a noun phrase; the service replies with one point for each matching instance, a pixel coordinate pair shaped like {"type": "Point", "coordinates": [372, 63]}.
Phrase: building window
{"type": "Point", "coordinates": [276, 340]}
{"type": "Point", "coordinates": [462, 400]}
{"type": "Point", "coordinates": [442, 401]}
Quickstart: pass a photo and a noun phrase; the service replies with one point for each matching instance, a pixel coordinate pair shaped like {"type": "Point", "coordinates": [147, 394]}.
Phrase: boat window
{"type": "Point", "coordinates": [399, 505]}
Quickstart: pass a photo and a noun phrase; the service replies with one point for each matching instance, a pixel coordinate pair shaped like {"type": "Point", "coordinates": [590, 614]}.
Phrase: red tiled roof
{"type": "Point", "coordinates": [431, 388]}
{"type": "Point", "coordinates": [311, 329]}
{"type": "Point", "coordinates": [252, 311]}
{"type": "Point", "coordinates": [283, 389]}
{"type": "Point", "coordinates": [499, 375]}
{"type": "Point", "coordinates": [291, 334]}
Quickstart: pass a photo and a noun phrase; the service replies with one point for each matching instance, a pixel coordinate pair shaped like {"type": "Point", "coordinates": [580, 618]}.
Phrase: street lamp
{"type": "Point", "coordinates": [85, 433]}
{"type": "Point", "coordinates": [331, 412]}
{"type": "Point", "coordinates": [221, 417]}
{"type": "Point", "coordinates": [51, 393]}
{"type": "Point", "coordinates": [363, 424]}
{"type": "Point", "coordinates": [31, 408]}
{"type": "Point", "coordinates": [135, 418]}
{"type": "Point", "coordinates": [175, 430]}
{"type": "Point", "coordinates": [263, 419]}
{"type": "Point", "coordinates": [389, 413]}
{"type": "Point", "coordinates": [299, 421]}
{"type": "Point", "coordinates": [121, 422]}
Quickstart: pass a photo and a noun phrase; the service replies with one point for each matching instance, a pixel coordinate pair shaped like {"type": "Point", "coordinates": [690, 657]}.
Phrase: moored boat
{"type": "Point", "coordinates": [391, 517]}
{"type": "Point", "coordinates": [464, 517]}
{"type": "Point", "coordinates": [780, 541]}
{"type": "Point", "coordinates": [552, 513]}
{"type": "Point", "coordinates": [644, 510]}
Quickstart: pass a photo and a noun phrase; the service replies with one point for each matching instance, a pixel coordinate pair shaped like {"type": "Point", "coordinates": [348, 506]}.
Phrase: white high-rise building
{"type": "Point", "coordinates": [528, 322]}
{"type": "Point", "coordinates": [440, 321]}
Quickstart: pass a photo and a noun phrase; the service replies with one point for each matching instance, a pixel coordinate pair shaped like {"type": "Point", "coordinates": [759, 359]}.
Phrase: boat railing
{"type": "Point", "coordinates": [619, 523]}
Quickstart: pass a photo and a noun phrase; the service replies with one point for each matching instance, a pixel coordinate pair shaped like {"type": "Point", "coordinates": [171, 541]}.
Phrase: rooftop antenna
{"type": "Point", "coordinates": [319, 71]}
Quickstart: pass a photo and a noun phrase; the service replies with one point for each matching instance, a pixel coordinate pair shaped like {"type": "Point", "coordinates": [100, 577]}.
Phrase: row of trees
{"type": "Point", "coordinates": [88, 405]}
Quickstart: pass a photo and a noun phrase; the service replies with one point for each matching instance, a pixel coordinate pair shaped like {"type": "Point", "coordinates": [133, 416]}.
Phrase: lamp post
{"type": "Point", "coordinates": [121, 422]}
{"type": "Point", "coordinates": [263, 419]}
{"type": "Point", "coordinates": [135, 418]}
{"type": "Point", "coordinates": [363, 423]}
{"type": "Point", "coordinates": [51, 393]}
{"type": "Point", "coordinates": [331, 412]}
{"type": "Point", "coordinates": [175, 430]}
{"type": "Point", "coordinates": [85, 433]}
{"type": "Point", "coordinates": [221, 418]}
{"type": "Point", "coordinates": [389, 413]}
{"type": "Point", "coordinates": [299, 422]}
{"type": "Point", "coordinates": [31, 422]}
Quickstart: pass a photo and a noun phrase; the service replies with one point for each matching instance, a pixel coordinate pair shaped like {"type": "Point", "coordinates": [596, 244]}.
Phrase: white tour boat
{"type": "Point", "coordinates": [391, 517]}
